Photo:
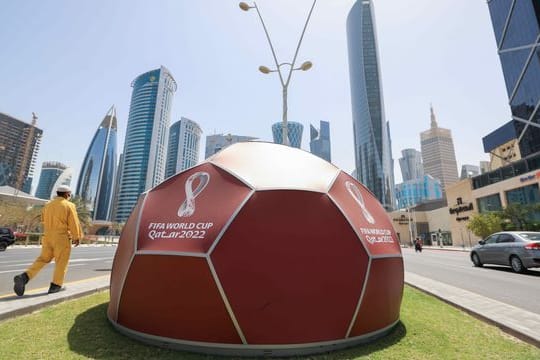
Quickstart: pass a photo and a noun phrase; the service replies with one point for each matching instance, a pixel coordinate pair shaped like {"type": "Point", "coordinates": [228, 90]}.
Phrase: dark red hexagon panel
{"type": "Point", "coordinates": [122, 258]}
{"type": "Point", "coordinates": [292, 268]}
{"type": "Point", "coordinates": [187, 212]}
{"type": "Point", "coordinates": [382, 297]}
{"type": "Point", "coordinates": [366, 215]}
{"type": "Point", "coordinates": [175, 297]}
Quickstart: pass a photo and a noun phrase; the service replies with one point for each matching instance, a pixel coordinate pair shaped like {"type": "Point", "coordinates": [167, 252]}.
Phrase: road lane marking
{"type": "Point", "coordinates": [21, 270]}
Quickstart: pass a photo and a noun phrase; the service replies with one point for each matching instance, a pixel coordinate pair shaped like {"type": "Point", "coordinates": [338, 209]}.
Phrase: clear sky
{"type": "Point", "coordinates": [69, 61]}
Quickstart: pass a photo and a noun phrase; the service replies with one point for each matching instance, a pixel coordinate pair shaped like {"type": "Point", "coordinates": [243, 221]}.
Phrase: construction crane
{"type": "Point", "coordinates": [27, 155]}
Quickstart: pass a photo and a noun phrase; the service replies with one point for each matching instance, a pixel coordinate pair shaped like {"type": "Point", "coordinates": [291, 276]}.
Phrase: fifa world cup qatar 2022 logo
{"type": "Point", "coordinates": [357, 196]}
{"type": "Point", "coordinates": [188, 206]}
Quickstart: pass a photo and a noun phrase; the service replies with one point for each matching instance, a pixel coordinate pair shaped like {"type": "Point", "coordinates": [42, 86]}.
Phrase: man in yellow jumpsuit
{"type": "Point", "coordinates": [60, 226]}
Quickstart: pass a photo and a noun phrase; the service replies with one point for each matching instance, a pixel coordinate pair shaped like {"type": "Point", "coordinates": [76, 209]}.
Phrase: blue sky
{"type": "Point", "coordinates": [69, 61]}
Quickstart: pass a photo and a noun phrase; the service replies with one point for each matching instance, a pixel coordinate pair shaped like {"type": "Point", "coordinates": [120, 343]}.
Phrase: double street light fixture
{"type": "Point", "coordinates": [285, 80]}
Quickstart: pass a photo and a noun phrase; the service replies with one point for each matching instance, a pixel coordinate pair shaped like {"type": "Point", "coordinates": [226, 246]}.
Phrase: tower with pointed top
{"type": "Point", "coordinates": [372, 143]}
{"type": "Point", "coordinates": [96, 180]}
{"type": "Point", "coordinates": [438, 154]}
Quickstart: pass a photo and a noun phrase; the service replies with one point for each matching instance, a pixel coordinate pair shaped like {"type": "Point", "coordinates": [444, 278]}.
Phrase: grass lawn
{"type": "Point", "coordinates": [429, 329]}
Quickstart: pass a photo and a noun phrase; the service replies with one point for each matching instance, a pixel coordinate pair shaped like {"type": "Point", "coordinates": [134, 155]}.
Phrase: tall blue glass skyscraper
{"type": "Point", "coordinates": [184, 144]}
{"type": "Point", "coordinates": [320, 141]}
{"type": "Point", "coordinates": [98, 172]}
{"type": "Point", "coordinates": [145, 147]}
{"type": "Point", "coordinates": [516, 24]}
{"type": "Point", "coordinates": [373, 154]}
{"type": "Point", "coordinates": [294, 129]}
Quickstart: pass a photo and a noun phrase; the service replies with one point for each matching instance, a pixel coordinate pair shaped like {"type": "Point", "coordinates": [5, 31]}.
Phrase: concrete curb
{"type": "Point", "coordinates": [13, 305]}
{"type": "Point", "coordinates": [519, 323]}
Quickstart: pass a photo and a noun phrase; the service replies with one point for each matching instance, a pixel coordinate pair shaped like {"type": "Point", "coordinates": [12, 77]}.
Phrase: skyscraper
{"type": "Point", "coordinates": [517, 31]}
{"type": "Point", "coordinates": [438, 155]}
{"type": "Point", "coordinates": [218, 142]}
{"type": "Point", "coordinates": [411, 164]}
{"type": "Point", "coordinates": [294, 129]}
{"type": "Point", "coordinates": [468, 171]}
{"type": "Point", "coordinates": [372, 147]}
{"type": "Point", "coordinates": [19, 146]}
{"type": "Point", "coordinates": [53, 174]}
{"type": "Point", "coordinates": [147, 133]}
{"type": "Point", "coordinates": [183, 148]}
{"type": "Point", "coordinates": [98, 171]}
{"type": "Point", "coordinates": [320, 141]}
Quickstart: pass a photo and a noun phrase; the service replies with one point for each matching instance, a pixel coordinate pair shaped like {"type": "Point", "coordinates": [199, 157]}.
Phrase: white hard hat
{"type": "Point", "coordinates": [63, 189]}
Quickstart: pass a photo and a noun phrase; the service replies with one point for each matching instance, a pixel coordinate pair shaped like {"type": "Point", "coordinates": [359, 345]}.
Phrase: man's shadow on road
{"type": "Point", "coordinates": [93, 336]}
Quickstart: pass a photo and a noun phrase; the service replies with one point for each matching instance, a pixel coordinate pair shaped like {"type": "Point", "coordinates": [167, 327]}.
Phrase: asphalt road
{"type": "Point", "coordinates": [495, 282]}
{"type": "Point", "coordinates": [449, 267]}
{"type": "Point", "coordinates": [84, 263]}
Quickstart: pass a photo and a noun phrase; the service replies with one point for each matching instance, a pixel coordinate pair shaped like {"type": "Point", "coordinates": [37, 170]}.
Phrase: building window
{"type": "Point", "coordinates": [523, 195]}
{"type": "Point", "coordinates": [489, 203]}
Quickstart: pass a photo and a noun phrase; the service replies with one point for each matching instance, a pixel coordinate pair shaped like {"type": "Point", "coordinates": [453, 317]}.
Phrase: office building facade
{"type": "Point", "coordinates": [372, 144]}
{"type": "Point", "coordinates": [320, 141]}
{"type": "Point", "coordinates": [183, 148]}
{"type": "Point", "coordinates": [516, 25]}
{"type": "Point", "coordinates": [438, 154]}
{"type": "Point", "coordinates": [413, 192]}
{"type": "Point", "coordinates": [217, 142]}
{"type": "Point", "coordinates": [145, 146]}
{"type": "Point", "coordinates": [411, 164]}
{"type": "Point", "coordinates": [19, 146]}
{"type": "Point", "coordinates": [53, 174]}
{"type": "Point", "coordinates": [96, 180]}
{"type": "Point", "coordinates": [295, 131]}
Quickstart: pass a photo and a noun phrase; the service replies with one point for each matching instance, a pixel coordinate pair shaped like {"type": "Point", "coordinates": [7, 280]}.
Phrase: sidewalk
{"type": "Point", "coordinates": [12, 305]}
{"type": "Point", "coordinates": [517, 322]}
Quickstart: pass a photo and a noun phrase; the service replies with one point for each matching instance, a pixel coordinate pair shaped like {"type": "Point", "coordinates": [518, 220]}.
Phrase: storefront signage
{"type": "Point", "coordinates": [464, 218]}
{"type": "Point", "coordinates": [530, 177]}
{"type": "Point", "coordinates": [461, 208]}
{"type": "Point", "coordinates": [402, 220]}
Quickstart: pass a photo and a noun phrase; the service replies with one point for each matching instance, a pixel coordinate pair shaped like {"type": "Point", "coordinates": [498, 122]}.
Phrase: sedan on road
{"type": "Point", "coordinates": [518, 249]}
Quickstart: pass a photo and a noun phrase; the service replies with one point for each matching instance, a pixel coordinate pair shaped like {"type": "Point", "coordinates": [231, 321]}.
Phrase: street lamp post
{"type": "Point", "coordinates": [284, 80]}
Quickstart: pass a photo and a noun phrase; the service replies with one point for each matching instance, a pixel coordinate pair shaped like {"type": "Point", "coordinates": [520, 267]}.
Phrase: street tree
{"type": "Point", "coordinates": [483, 225]}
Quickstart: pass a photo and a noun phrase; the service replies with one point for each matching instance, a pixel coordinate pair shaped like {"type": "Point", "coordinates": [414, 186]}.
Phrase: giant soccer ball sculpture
{"type": "Point", "coordinates": [262, 249]}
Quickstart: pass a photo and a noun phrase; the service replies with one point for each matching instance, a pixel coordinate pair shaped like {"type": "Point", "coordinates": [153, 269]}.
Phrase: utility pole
{"type": "Point", "coordinates": [27, 154]}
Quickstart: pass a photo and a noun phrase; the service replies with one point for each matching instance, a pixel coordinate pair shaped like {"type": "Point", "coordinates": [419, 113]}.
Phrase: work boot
{"type": "Point", "coordinates": [20, 282]}
{"type": "Point", "coordinates": [54, 288]}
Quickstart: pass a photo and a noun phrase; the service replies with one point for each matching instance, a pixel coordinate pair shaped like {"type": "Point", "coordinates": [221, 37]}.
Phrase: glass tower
{"type": "Point", "coordinates": [320, 141]}
{"type": "Point", "coordinates": [147, 134]}
{"type": "Point", "coordinates": [516, 24]}
{"type": "Point", "coordinates": [373, 153]}
{"type": "Point", "coordinates": [413, 192]}
{"type": "Point", "coordinates": [53, 174]}
{"type": "Point", "coordinates": [183, 149]}
{"type": "Point", "coordinates": [96, 180]}
{"type": "Point", "coordinates": [411, 164]}
{"type": "Point", "coordinates": [295, 130]}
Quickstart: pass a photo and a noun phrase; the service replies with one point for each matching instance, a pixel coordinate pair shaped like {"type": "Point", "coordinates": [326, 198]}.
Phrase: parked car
{"type": "Point", "coordinates": [517, 249]}
{"type": "Point", "coordinates": [6, 238]}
